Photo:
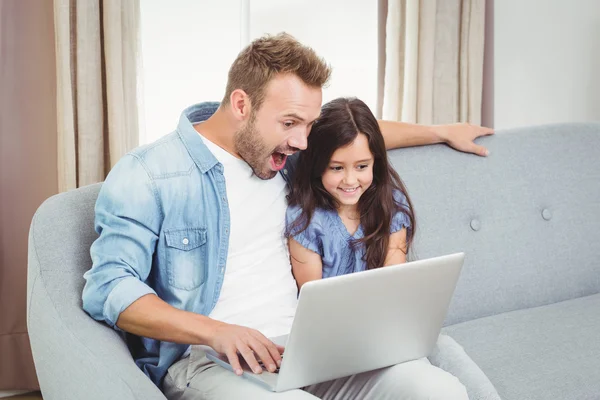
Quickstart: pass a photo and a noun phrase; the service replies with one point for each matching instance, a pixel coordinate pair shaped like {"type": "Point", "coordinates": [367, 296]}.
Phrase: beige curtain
{"type": "Point", "coordinates": [97, 53]}
{"type": "Point", "coordinates": [434, 61]}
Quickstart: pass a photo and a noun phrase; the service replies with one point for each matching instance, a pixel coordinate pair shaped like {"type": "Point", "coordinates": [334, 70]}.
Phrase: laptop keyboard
{"type": "Point", "coordinates": [265, 368]}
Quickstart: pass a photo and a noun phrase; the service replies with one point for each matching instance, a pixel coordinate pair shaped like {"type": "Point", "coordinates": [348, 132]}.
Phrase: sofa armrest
{"type": "Point", "coordinates": [451, 357]}
{"type": "Point", "coordinates": [75, 356]}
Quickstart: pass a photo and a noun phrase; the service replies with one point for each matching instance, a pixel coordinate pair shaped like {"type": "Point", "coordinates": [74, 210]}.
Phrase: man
{"type": "Point", "coordinates": [191, 250]}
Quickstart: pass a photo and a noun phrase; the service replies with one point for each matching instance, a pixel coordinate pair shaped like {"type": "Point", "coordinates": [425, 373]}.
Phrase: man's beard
{"type": "Point", "coordinates": [251, 147]}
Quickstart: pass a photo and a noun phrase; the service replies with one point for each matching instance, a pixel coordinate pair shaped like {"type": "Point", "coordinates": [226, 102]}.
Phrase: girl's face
{"type": "Point", "coordinates": [350, 172]}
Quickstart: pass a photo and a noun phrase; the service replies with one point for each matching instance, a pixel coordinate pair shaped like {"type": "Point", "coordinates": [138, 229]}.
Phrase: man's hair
{"type": "Point", "coordinates": [269, 56]}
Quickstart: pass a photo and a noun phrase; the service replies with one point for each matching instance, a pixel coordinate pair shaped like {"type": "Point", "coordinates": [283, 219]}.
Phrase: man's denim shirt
{"type": "Point", "coordinates": [163, 221]}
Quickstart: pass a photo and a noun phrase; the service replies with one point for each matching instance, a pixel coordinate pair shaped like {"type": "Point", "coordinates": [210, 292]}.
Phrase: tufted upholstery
{"type": "Point", "coordinates": [526, 308]}
{"type": "Point", "coordinates": [528, 216]}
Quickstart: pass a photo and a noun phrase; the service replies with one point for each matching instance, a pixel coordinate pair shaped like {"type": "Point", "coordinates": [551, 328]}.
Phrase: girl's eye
{"type": "Point", "coordinates": [363, 166]}
{"type": "Point", "coordinates": [338, 168]}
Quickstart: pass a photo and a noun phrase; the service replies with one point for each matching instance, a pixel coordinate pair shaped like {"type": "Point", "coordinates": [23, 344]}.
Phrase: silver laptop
{"type": "Point", "coordinates": [360, 322]}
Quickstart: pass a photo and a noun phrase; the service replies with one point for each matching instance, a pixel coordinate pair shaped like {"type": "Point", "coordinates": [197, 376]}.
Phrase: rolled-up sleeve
{"type": "Point", "coordinates": [128, 219]}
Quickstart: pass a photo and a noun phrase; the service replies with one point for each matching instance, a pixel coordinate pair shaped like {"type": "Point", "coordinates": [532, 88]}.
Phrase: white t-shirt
{"type": "Point", "coordinates": [259, 290]}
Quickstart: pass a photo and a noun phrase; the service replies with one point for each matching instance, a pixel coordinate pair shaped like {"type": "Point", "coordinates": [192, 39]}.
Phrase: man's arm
{"type": "Point", "coordinates": [128, 220]}
{"type": "Point", "coordinates": [149, 316]}
{"type": "Point", "coordinates": [458, 136]}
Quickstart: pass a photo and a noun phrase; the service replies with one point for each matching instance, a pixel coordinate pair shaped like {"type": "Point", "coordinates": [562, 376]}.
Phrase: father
{"type": "Point", "coordinates": [191, 251]}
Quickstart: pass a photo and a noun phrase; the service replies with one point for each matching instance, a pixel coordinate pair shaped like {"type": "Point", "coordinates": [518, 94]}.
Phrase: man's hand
{"type": "Point", "coordinates": [461, 136]}
{"type": "Point", "coordinates": [249, 343]}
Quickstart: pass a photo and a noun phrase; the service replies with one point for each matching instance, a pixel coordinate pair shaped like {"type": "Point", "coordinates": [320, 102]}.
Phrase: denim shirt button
{"type": "Point", "coordinates": [185, 241]}
{"type": "Point", "coordinates": [285, 171]}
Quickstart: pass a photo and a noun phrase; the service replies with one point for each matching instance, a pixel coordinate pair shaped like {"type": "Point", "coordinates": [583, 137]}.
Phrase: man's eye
{"type": "Point", "coordinates": [288, 124]}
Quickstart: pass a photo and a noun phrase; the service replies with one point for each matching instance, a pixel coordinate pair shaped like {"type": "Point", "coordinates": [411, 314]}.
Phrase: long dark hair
{"type": "Point", "coordinates": [341, 121]}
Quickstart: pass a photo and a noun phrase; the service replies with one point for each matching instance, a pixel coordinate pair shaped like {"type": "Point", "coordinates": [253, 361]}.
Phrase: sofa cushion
{"type": "Point", "coordinates": [547, 352]}
{"type": "Point", "coordinates": [452, 358]}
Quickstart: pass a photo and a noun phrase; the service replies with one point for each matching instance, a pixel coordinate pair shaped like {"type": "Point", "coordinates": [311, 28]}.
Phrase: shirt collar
{"type": "Point", "coordinates": [191, 139]}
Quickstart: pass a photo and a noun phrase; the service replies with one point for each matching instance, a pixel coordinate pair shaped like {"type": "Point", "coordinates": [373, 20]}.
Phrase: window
{"type": "Point", "coordinates": [188, 46]}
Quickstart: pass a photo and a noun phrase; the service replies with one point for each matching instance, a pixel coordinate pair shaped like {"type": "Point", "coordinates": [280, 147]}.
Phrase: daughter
{"type": "Point", "coordinates": [348, 209]}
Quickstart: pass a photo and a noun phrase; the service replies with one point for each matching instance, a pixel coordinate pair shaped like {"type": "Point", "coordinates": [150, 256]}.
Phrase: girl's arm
{"type": "Point", "coordinates": [396, 248]}
{"type": "Point", "coordinates": [306, 264]}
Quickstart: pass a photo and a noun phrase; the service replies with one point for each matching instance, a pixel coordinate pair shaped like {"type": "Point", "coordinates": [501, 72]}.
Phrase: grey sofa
{"type": "Point", "coordinates": [525, 319]}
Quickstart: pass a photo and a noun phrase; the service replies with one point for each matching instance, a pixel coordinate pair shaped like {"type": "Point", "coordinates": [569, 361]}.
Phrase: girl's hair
{"type": "Point", "coordinates": [341, 121]}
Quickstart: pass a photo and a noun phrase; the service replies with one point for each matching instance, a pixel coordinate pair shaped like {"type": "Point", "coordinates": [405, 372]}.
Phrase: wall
{"type": "Point", "coordinates": [27, 166]}
{"type": "Point", "coordinates": [546, 62]}
{"type": "Point", "coordinates": [487, 98]}
{"type": "Point", "coordinates": [189, 45]}
{"type": "Point", "coordinates": [187, 48]}
{"type": "Point", "coordinates": [344, 32]}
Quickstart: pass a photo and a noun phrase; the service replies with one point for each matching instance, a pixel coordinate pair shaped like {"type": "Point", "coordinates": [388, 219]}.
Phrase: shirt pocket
{"type": "Point", "coordinates": [186, 257]}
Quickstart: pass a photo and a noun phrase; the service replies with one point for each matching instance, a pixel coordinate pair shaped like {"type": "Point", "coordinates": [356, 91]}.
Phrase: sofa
{"type": "Point", "coordinates": [524, 322]}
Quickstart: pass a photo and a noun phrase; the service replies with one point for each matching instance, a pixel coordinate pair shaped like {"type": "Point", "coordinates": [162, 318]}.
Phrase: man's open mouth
{"type": "Point", "coordinates": [278, 160]}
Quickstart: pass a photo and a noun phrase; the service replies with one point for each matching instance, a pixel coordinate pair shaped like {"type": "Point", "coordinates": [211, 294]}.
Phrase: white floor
{"type": "Point", "coordinates": [11, 393]}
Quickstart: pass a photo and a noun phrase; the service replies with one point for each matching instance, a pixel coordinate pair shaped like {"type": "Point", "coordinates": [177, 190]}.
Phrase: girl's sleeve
{"type": "Point", "coordinates": [400, 220]}
{"type": "Point", "coordinates": [307, 238]}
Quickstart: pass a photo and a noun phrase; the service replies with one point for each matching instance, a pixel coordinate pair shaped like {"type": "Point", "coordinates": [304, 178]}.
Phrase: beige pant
{"type": "Point", "coordinates": [197, 378]}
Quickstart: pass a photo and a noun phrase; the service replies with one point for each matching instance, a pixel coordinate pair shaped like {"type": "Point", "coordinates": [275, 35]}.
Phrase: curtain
{"type": "Point", "coordinates": [434, 61]}
{"type": "Point", "coordinates": [27, 168]}
{"type": "Point", "coordinates": [97, 60]}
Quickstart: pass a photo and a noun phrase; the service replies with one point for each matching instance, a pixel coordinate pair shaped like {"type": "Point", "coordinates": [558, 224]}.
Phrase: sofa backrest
{"type": "Point", "coordinates": [61, 234]}
{"type": "Point", "coordinates": [527, 216]}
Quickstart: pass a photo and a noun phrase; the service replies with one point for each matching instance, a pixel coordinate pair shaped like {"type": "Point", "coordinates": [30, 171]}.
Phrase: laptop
{"type": "Point", "coordinates": [360, 322]}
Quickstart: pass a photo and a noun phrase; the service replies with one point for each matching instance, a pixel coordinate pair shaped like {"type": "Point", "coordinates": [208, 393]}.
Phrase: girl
{"type": "Point", "coordinates": [348, 208]}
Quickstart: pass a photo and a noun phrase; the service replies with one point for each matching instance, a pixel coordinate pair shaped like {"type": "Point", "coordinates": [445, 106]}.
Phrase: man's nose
{"type": "Point", "coordinates": [299, 140]}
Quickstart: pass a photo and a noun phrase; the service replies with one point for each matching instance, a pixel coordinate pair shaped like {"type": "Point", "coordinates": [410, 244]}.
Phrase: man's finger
{"type": "Point", "coordinates": [273, 349]}
{"type": "Point", "coordinates": [479, 150]}
{"type": "Point", "coordinates": [234, 361]}
{"type": "Point", "coordinates": [250, 358]}
{"type": "Point", "coordinates": [483, 131]}
{"type": "Point", "coordinates": [264, 352]}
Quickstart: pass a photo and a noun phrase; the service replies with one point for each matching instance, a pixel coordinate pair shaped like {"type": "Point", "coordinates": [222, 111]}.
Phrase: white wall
{"type": "Point", "coordinates": [344, 32]}
{"type": "Point", "coordinates": [189, 45]}
{"type": "Point", "coordinates": [187, 48]}
{"type": "Point", "coordinates": [546, 62]}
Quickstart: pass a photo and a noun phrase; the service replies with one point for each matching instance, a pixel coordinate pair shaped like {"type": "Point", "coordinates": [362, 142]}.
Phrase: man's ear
{"type": "Point", "coordinates": [240, 104]}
